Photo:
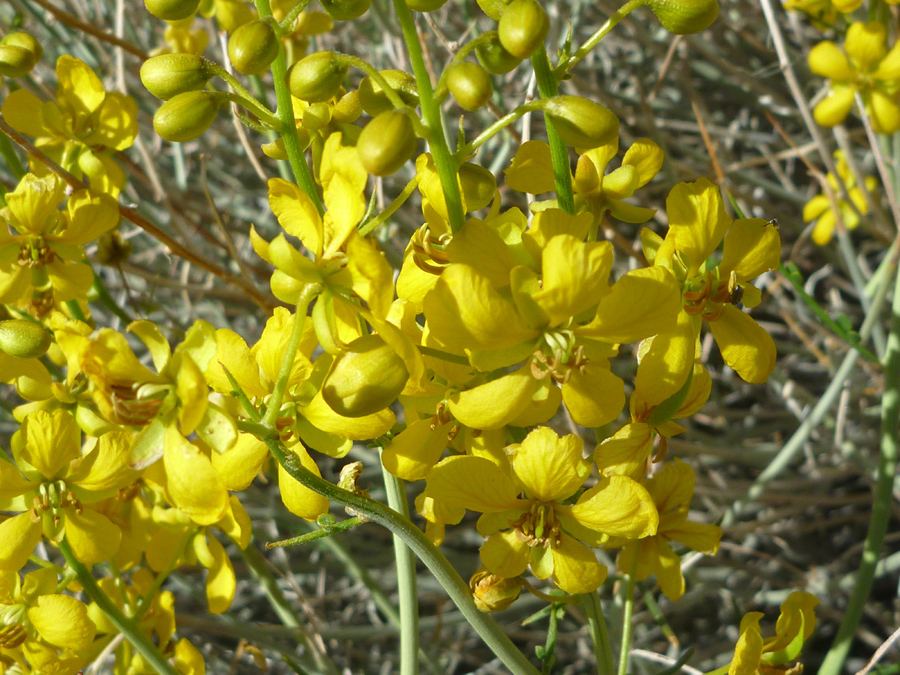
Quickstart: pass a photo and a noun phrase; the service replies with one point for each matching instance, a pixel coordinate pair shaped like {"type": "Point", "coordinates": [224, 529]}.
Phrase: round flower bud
{"type": "Point", "coordinates": [347, 110]}
{"type": "Point", "coordinates": [495, 59]}
{"type": "Point", "coordinates": [168, 75]}
{"type": "Point", "coordinates": [26, 42]}
{"type": "Point", "coordinates": [470, 85]}
{"type": "Point", "coordinates": [15, 61]}
{"type": "Point", "coordinates": [581, 123]}
{"type": "Point", "coordinates": [186, 116]}
{"type": "Point", "coordinates": [373, 99]}
{"type": "Point", "coordinates": [253, 47]}
{"type": "Point", "coordinates": [366, 378]}
{"type": "Point", "coordinates": [386, 143]}
{"type": "Point", "coordinates": [478, 185]}
{"type": "Point", "coordinates": [317, 77]}
{"type": "Point", "coordinates": [24, 339]}
{"type": "Point", "coordinates": [171, 10]}
{"type": "Point", "coordinates": [345, 10]}
{"type": "Point", "coordinates": [523, 27]}
{"type": "Point", "coordinates": [232, 14]}
{"type": "Point", "coordinates": [683, 17]}
{"type": "Point", "coordinates": [425, 5]}
{"type": "Point", "coordinates": [492, 593]}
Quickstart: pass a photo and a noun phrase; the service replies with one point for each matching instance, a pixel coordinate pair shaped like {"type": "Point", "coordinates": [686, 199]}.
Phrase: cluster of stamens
{"type": "Point", "coordinates": [35, 255]}
{"type": "Point", "coordinates": [428, 250]}
{"type": "Point", "coordinates": [443, 416]}
{"type": "Point", "coordinates": [53, 498]}
{"type": "Point", "coordinates": [710, 298]}
{"type": "Point", "coordinates": [538, 526]}
{"type": "Point", "coordinates": [558, 358]}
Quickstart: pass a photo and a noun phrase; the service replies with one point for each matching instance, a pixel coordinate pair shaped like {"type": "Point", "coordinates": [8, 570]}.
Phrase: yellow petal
{"type": "Point", "coordinates": [299, 499]}
{"type": "Point", "coordinates": [885, 112]}
{"type": "Point", "coordinates": [664, 367]}
{"type": "Point", "coordinates": [296, 213]}
{"type": "Point", "coordinates": [232, 353]}
{"type": "Point", "coordinates": [220, 580]}
{"type": "Point", "coordinates": [18, 537]}
{"type": "Point", "coordinates": [551, 222]}
{"type": "Point", "coordinates": [702, 537]}
{"type": "Point", "coordinates": [697, 220]}
{"type": "Point", "coordinates": [192, 482]}
{"type": "Point", "coordinates": [752, 246]}
{"type": "Point", "coordinates": [834, 108]}
{"type": "Point", "coordinates": [356, 428]}
{"type": "Point", "coordinates": [748, 651]}
{"type": "Point", "coordinates": [80, 90]}
{"type": "Point", "coordinates": [672, 487]}
{"type": "Point", "coordinates": [617, 506]}
{"type": "Point", "coordinates": [496, 403]}
{"type": "Point", "coordinates": [575, 567]}
{"type": "Point", "coordinates": [626, 452]}
{"type": "Point", "coordinates": [241, 464]}
{"type": "Point", "coordinates": [826, 59]}
{"type": "Point", "coordinates": [745, 346]}
{"type": "Point", "coordinates": [505, 555]}
{"type": "Point", "coordinates": [575, 275]}
{"type": "Point", "coordinates": [621, 183]}
{"type": "Point", "coordinates": [94, 538]}
{"type": "Point", "coordinates": [22, 111]}
{"type": "Point", "coordinates": [532, 169]}
{"type": "Point", "coordinates": [62, 621]}
{"type": "Point", "coordinates": [473, 483]}
{"type": "Point", "coordinates": [668, 571]}
{"type": "Point", "coordinates": [106, 468]}
{"type": "Point", "coordinates": [52, 440]}
{"type": "Point", "coordinates": [371, 274]}
{"type": "Point", "coordinates": [593, 395]}
{"type": "Point", "coordinates": [412, 453]}
{"type": "Point", "coordinates": [550, 468]}
{"type": "Point", "coordinates": [480, 246]}
{"type": "Point", "coordinates": [645, 156]}
{"type": "Point", "coordinates": [866, 45]}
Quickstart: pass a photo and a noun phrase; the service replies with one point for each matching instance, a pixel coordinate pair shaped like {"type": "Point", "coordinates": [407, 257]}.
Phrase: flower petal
{"type": "Point", "coordinates": [745, 346]}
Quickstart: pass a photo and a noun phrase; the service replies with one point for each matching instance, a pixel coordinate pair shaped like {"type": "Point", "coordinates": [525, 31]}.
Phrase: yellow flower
{"type": "Point", "coordinates": [698, 223]}
{"type": "Point", "coordinates": [755, 656]}
{"type": "Point", "coordinates": [82, 128]}
{"type": "Point", "coordinates": [823, 13]}
{"type": "Point", "coordinates": [44, 260]}
{"type": "Point", "coordinates": [819, 207]}
{"type": "Point", "coordinates": [52, 484]}
{"type": "Point", "coordinates": [540, 530]}
{"type": "Point", "coordinates": [671, 490]}
{"type": "Point", "coordinates": [865, 66]}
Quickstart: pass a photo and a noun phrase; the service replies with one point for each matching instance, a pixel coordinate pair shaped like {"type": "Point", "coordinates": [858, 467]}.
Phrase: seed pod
{"type": "Point", "coordinates": [683, 17]}
{"type": "Point", "coordinates": [523, 27]}
{"type": "Point", "coordinates": [366, 378]}
{"type": "Point", "coordinates": [15, 61]}
{"type": "Point", "coordinates": [373, 99]}
{"type": "Point", "coordinates": [317, 77]}
{"type": "Point", "coordinates": [171, 10]}
{"type": "Point", "coordinates": [345, 10]}
{"type": "Point", "coordinates": [186, 116]}
{"type": "Point", "coordinates": [581, 123]}
{"type": "Point", "coordinates": [24, 339]}
{"type": "Point", "coordinates": [494, 57]}
{"type": "Point", "coordinates": [386, 143]}
{"type": "Point", "coordinates": [253, 47]}
{"type": "Point", "coordinates": [425, 5]}
{"type": "Point", "coordinates": [26, 42]}
{"type": "Point", "coordinates": [168, 75]}
{"type": "Point", "coordinates": [470, 85]}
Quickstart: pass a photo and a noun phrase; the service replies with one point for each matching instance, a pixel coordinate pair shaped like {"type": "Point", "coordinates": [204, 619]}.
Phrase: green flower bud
{"type": "Point", "coordinates": [171, 10]}
{"type": "Point", "coordinates": [683, 17]}
{"type": "Point", "coordinates": [232, 14]}
{"type": "Point", "coordinates": [317, 77]}
{"type": "Point", "coordinates": [253, 47]}
{"type": "Point", "coordinates": [345, 10]}
{"type": "Point", "coordinates": [347, 110]}
{"type": "Point", "coordinates": [366, 378]}
{"type": "Point", "coordinates": [24, 339]}
{"type": "Point", "coordinates": [186, 116]}
{"type": "Point", "coordinates": [425, 5]}
{"type": "Point", "coordinates": [478, 185]}
{"type": "Point", "coordinates": [470, 85]}
{"type": "Point", "coordinates": [168, 75]}
{"type": "Point", "coordinates": [373, 99]}
{"type": "Point", "coordinates": [25, 41]}
{"type": "Point", "coordinates": [523, 27]}
{"type": "Point", "coordinates": [386, 143]}
{"type": "Point", "coordinates": [495, 59]}
{"type": "Point", "coordinates": [581, 123]}
{"type": "Point", "coordinates": [15, 61]}
{"type": "Point", "coordinates": [316, 116]}
{"type": "Point", "coordinates": [492, 593]}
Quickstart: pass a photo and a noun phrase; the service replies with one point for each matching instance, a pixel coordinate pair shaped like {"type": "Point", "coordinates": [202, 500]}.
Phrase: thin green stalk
{"type": "Point", "coordinates": [444, 164]}
{"type": "Point", "coordinates": [286, 27]}
{"type": "Point", "coordinates": [548, 86]}
{"type": "Point", "coordinates": [125, 625]}
{"type": "Point", "coordinates": [590, 603]}
{"type": "Point", "coordinates": [306, 296]}
{"type": "Point", "coordinates": [76, 312]}
{"type": "Point", "coordinates": [321, 533]}
{"type": "Point", "coordinates": [494, 636]}
{"type": "Point", "coordinates": [107, 300]}
{"type": "Point", "coordinates": [881, 507]}
{"type": "Point", "coordinates": [499, 125]}
{"type": "Point", "coordinates": [368, 226]}
{"type": "Point", "coordinates": [567, 64]}
{"type": "Point", "coordinates": [627, 613]}
{"type": "Point", "coordinates": [285, 114]}
{"type": "Point", "coordinates": [407, 594]}
{"type": "Point", "coordinates": [12, 159]}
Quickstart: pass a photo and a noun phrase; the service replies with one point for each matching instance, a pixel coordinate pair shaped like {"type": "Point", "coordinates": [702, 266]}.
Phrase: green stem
{"type": "Point", "coordinates": [286, 27]}
{"type": "Point", "coordinates": [407, 595]}
{"type": "Point", "coordinates": [107, 300]}
{"type": "Point", "coordinates": [590, 603]}
{"type": "Point", "coordinates": [881, 507]}
{"type": "Point", "coordinates": [392, 95]}
{"type": "Point", "coordinates": [301, 539]}
{"type": "Point", "coordinates": [568, 63]}
{"type": "Point", "coordinates": [287, 362]}
{"type": "Point", "coordinates": [497, 126]}
{"type": "Point", "coordinates": [442, 355]}
{"type": "Point", "coordinates": [75, 310]}
{"type": "Point", "coordinates": [241, 96]}
{"type": "Point", "coordinates": [368, 226]}
{"type": "Point", "coordinates": [12, 159]}
{"type": "Point", "coordinates": [444, 163]}
{"type": "Point", "coordinates": [494, 636]}
{"type": "Point", "coordinates": [288, 126]}
{"type": "Point", "coordinates": [126, 626]}
{"type": "Point", "coordinates": [559, 153]}
{"type": "Point", "coordinates": [627, 612]}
